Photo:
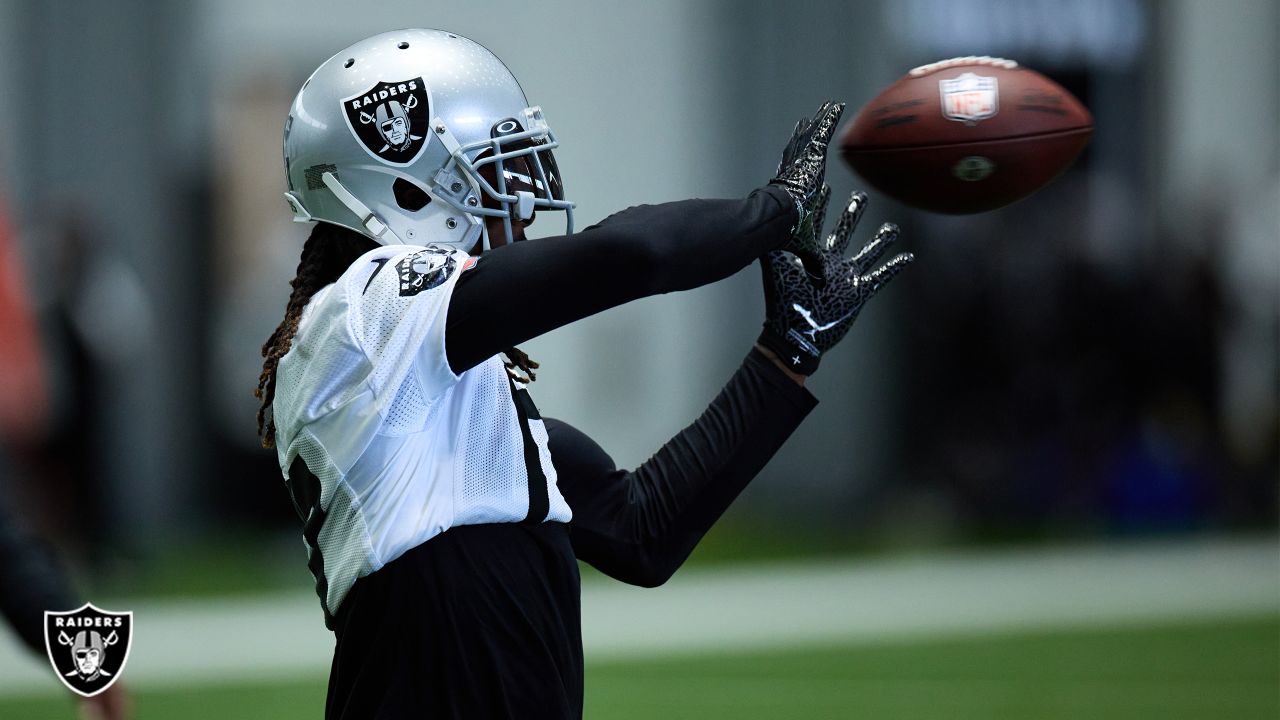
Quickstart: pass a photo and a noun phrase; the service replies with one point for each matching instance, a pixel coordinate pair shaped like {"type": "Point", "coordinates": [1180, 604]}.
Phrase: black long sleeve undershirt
{"type": "Point", "coordinates": [639, 526]}
{"type": "Point", "coordinates": [520, 291]}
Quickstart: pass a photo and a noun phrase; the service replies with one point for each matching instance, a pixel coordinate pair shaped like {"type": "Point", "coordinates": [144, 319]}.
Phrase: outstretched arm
{"type": "Point", "coordinates": [520, 291]}
{"type": "Point", "coordinates": [639, 526]}
{"type": "Point", "coordinates": [523, 290]}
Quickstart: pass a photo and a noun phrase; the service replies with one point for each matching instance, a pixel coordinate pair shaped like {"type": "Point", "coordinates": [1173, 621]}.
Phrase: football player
{"type": "Point", "coordinates": [443, 515]}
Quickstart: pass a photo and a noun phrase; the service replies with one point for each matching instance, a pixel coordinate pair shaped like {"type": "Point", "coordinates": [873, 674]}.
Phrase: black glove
{"type": "Point", "coordinates": [802, 173]}
{"type": "Point", "coordinates": [801, 321]}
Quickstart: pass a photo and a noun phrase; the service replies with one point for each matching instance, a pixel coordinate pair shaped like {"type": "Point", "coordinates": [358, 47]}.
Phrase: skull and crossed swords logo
{"type": "Point", "coordinates": [88, 647]}
{"type": "Point", "coordinates": [390, 119]}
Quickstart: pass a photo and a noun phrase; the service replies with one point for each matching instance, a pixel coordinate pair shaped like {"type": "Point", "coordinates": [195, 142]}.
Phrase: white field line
{"type": "Point", "coordinates": [776, 605]}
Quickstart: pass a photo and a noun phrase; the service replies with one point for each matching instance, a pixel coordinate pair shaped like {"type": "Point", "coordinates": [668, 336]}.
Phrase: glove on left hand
{"type": "Point", "coordinates": [801, 321]}
{"type": "Point", "coordinates": [802, 172]}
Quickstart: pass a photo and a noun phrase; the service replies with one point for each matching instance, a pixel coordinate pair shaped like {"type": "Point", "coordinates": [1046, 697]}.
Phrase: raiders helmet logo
{"type": "Point", "coordinates": [390, 120]}
{"type": "Point", "coordinates": [424, 269]}
{"type": "Point", "coordinates": [88, 647]}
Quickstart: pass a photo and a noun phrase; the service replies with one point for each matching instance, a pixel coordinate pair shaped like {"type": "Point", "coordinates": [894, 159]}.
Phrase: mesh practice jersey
{"type": "Point", "coordinates": [398, 447]}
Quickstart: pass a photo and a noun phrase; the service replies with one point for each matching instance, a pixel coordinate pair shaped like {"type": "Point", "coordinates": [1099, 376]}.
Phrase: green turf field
{"type": "Point", "coordinates": [1228, 669]}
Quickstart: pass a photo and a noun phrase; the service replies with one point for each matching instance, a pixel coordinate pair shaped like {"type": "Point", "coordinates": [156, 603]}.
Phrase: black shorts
{"type": "Point", "coordinates": [482, 621]}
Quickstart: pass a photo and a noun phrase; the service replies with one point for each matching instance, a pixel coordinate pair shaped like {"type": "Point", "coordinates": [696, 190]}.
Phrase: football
{"type": "Point", "coordinates": [966, 135]}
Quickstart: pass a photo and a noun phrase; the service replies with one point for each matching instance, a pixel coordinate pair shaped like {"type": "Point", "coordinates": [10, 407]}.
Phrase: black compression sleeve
{"type": "Point", "coordinates": [639, 526]}
{"type": "Point", "coordinates": [31, 581]}
{"type": "Point", "coordinates": [523, 290]}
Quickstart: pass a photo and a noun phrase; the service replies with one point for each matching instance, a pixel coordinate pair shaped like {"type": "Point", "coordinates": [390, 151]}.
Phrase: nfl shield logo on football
{"type": "Point", "coordinates": [969, 98]}
{"type": "Point", "coordinates": [88, 647]}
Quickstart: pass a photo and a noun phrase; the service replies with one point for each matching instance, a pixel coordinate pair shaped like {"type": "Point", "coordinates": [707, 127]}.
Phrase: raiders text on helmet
{"type": "Point", "coordinates": [404, 135]}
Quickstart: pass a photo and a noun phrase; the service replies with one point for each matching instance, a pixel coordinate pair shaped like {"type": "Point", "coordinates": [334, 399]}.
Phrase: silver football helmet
{"type": "Point", "coordinates": [414, 136]}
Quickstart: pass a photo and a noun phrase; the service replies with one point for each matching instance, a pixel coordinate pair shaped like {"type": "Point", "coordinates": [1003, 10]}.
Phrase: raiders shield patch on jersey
{"type": "Point", "coordinates": [390, 119]}
{"type": "Point", "coordinates": [88, 647]}
{"type": "Point", "coordinates": [424, 269]}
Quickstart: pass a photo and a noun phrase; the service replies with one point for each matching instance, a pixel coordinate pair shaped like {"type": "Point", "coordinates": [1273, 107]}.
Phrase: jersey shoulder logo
{"type": "Point", "coordinates": [390, 120]}
{"type": "Point", "coordinates": [88, 647]}
{"type": "Point", "coordinates": [424, 269]}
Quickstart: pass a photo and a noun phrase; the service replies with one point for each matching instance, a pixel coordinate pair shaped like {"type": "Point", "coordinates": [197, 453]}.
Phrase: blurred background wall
{"type": "Point", "coordinates": [1097, 360]}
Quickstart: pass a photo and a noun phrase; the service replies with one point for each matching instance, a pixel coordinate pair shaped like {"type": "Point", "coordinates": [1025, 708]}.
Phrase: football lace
{"type": "Point", "coordinates": [966, 60]}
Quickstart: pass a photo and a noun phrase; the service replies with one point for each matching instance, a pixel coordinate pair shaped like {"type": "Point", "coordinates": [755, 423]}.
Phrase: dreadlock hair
{"type": "Point", "coordinates": [518, 361]}
{"type": "Point", "coordinates": [328, 252]}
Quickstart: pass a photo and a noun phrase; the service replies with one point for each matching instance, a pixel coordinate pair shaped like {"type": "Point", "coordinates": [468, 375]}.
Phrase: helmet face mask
{"type": "Point", "coordinates": [390, 137]}
{"type": "Point", "coordinates": [516, 170]}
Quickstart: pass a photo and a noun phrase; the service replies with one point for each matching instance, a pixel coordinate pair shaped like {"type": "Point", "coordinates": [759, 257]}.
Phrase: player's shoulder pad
{"type": "Point", "coordinates": [416, 268]}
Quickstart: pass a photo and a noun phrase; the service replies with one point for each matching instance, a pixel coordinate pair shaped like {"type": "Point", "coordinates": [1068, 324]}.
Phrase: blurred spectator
{"type": "Point", "coordinates": [23, 405]}
{"type": "Point", "coordinates": [31, 580]}
{"type": "Point", "coordinates": [96, 317]}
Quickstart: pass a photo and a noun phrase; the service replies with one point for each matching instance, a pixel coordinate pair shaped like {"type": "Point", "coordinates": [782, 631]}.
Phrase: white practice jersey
{"type": "Point", "coordinates": [402, 447]}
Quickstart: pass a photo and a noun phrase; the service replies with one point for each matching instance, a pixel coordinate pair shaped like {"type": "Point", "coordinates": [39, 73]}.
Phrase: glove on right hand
{"type": "Point", "coordinates": [802, 173]}
{"type": "Point", "coordinates": [801, 321]}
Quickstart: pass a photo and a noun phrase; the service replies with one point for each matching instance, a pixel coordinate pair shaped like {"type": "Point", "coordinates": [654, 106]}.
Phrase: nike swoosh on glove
{"type": "Point", "coordinates": [802, 321]}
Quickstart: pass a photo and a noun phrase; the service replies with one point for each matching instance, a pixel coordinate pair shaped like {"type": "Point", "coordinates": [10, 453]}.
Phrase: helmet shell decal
{"type": "Point", "coordinates": [391, 120]}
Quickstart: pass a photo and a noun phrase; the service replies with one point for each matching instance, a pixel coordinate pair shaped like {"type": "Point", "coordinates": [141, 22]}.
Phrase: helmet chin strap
{"type": "Point", "coordinates": [376, 228]}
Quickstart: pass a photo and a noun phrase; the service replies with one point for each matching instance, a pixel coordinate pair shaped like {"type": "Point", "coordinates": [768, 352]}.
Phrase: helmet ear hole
{"type": "Point", "coordinates": [409, 196]}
